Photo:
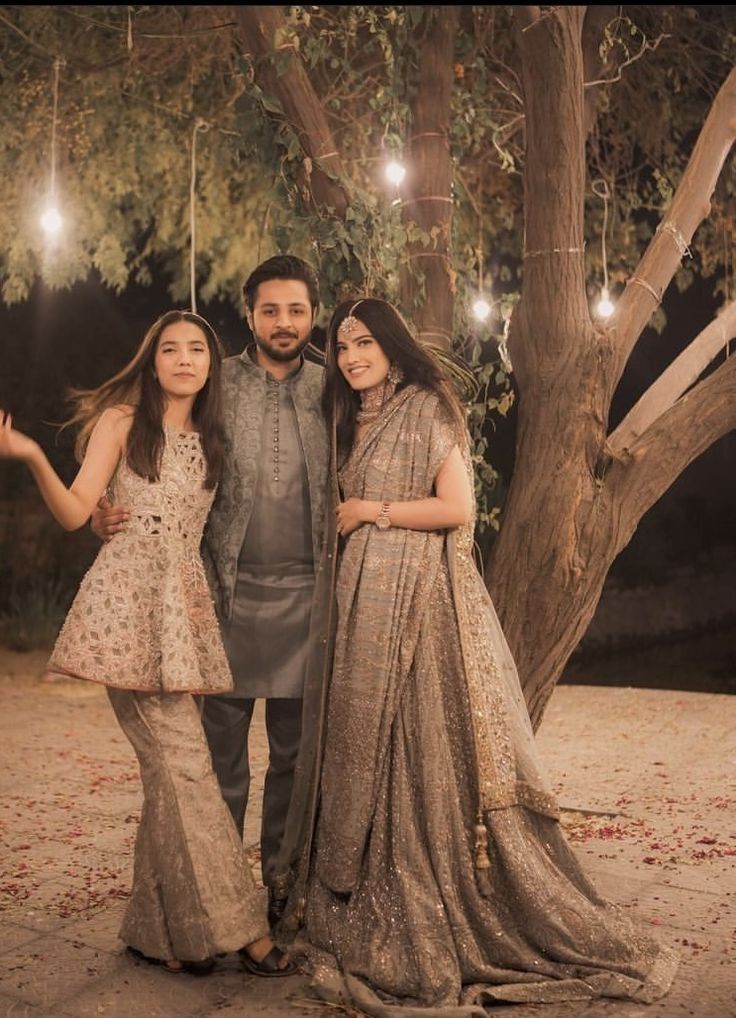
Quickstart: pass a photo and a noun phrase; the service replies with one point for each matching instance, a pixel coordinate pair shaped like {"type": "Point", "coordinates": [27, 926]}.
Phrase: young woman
{"type": "Point", "coordinates": [423, 855]}
{"type": "Point", "coordinates": [143, 624]}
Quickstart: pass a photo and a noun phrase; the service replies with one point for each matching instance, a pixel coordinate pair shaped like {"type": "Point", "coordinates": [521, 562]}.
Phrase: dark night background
{"type": "Point", "coordinates": [668, 614]}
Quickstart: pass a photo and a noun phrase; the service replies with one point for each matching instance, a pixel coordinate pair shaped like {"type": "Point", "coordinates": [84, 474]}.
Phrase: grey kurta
{"type": "Point", "coordinates": [244, 398]}
{"type": "Point", "coordinates": [275, 577]}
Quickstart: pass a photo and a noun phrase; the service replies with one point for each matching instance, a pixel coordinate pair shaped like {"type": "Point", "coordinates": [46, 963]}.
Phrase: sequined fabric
{"type": "Point", "coordinates": [193, 893]}
{"type": "Point", "coordinates": [144, 617]}
{"type": "Point", "coordinates": [424, 732]}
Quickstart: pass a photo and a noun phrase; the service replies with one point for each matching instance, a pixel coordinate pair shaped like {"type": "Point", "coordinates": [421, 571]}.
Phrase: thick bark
{"type": "Point", "coordinates": [428, 201]}
{"type": "Point", "coordinates": [535, 576]}
{"type": "Point", "coordinates": [575, 501]}
{"type": "Point", "coordinates": [260, 29]}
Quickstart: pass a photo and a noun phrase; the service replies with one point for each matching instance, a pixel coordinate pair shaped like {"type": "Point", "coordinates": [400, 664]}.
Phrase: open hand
{"type": "Point", "coordinates": [108, 519]}
{"type": "Point", "coordinates": [14, 444]}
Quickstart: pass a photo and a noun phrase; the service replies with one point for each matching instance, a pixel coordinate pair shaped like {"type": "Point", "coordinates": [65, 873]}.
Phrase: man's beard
{"type": "Point", "coordinates": [279, 353]}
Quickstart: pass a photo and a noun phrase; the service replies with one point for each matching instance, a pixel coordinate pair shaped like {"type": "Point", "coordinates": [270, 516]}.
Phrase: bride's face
{"type": "Point", "coordinates": [360, 358]}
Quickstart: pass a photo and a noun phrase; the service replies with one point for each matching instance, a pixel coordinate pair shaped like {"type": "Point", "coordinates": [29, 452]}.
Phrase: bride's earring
{"type": "Point", "coordinates": [395, 374]}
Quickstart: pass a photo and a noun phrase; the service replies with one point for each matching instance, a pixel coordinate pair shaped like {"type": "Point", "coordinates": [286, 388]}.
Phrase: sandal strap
{"type": "Point", "coordinates": [271, 961]}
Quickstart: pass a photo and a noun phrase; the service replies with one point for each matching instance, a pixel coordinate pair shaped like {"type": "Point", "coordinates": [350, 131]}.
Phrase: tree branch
{"type": "Point", "coordinates": [678, 377]}
{"type": "Point", "coordinates": [526, 15]}
{"type": "Point", "coordinates": [690, 205]}
{"type": "Point", "coordinates": [658, 457]}
{"type": "Point", "coordinates": [262, 30]}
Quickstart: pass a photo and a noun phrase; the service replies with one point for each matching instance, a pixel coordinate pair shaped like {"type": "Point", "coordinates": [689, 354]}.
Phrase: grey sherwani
{"type": "Point", "coordinates": [261, 544]}
{"type": "Point", "coordinates": [244, 393]}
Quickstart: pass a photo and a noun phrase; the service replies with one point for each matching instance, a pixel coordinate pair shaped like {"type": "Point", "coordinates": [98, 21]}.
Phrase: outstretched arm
{"type": "Point", "coordinates": [450, 506]}
{"type": "Point", "coordinates": [71, 506]}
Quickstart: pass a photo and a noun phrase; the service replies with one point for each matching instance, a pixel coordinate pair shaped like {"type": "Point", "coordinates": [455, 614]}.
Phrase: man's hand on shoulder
{"type": "Point", "coordinates": [108, 519]}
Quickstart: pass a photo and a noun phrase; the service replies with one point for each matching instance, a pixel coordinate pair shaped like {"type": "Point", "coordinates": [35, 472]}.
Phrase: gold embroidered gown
{"type": "Point", "coordinates": [423, 852]}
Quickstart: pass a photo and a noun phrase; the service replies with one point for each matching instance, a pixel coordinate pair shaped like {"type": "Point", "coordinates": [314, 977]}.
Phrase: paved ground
{"type": "Point", "coordinates": [648, 778]}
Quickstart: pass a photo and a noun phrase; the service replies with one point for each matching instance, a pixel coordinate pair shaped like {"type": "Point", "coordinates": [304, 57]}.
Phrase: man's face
{"type": "Point", "coordinates": [281, 320]}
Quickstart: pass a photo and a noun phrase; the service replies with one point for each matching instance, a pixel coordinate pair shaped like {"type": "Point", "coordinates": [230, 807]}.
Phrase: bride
{"type": "Point", "coordinates": [423, 858]}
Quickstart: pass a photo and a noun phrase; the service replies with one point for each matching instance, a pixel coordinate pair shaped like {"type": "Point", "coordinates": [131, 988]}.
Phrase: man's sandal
{"type": "Point", "coordinates": [270, 966]}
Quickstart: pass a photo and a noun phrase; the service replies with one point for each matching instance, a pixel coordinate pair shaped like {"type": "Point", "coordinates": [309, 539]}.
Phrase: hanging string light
{"type": "Point", "coordinates": [395, 172]}
{"type": "Point", "coordinates": [604, 308]}
{"type": "Point", "coordinates": [51, 220]}
{"type": "Point", "coordinates": [200, 125]}
{"type": "Point", "coordinates": [481, 309]}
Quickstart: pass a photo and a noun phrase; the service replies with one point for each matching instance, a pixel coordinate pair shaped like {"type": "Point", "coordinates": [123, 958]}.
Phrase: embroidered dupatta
{"type": "Point", "coordinates": [371, 613]}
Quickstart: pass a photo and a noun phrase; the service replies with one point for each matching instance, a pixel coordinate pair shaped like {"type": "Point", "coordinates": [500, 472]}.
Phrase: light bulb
{"type": "Point", "coordinates": [604, 307]}
{"type": "Point", "coordinates": [481, 309]}
{"type": "Point", "coordinates": [51, 220]}
{"type": "Point", "coordinates": [395, 173]}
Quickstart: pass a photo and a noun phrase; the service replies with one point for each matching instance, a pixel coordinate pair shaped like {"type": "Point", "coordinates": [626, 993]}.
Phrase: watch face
{"type": "Point", "coordinates": [383, 523]}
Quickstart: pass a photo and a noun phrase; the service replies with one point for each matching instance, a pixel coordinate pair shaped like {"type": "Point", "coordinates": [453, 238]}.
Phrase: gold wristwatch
{"type": "Point", "coordinates": [383, 520]}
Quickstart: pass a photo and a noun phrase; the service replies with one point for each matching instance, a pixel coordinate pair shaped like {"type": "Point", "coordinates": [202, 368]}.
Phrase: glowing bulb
{"type": "Point", "coordinates": [481, 309]}
{"type": "Point", "coordinates": [51, 220]}
{"type": "Point", "coordinates": [395, 173]}
{"type": "Point", "coordinates": [604, 307]}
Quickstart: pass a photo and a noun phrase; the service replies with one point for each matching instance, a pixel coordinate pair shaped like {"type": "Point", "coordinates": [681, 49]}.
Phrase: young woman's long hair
{"type": "Point", "coordinates": [136, 385]}
{"type": "Point", "coordinates": [341, 403]}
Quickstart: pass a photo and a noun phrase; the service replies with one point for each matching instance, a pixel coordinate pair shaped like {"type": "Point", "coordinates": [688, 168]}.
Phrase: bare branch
{"type": "Point", "coordinates": [594, 63]}
{"type": "Point", "coordinates": [678, 377]}
{"type": "Point", "coordinates": [527, 15]}
{"type": "Point", "coordinates": [644, 48]}
{"type": "Point", "coordinates": [690, 205]}
{"type": "Point", "coordinates": [657, 458]}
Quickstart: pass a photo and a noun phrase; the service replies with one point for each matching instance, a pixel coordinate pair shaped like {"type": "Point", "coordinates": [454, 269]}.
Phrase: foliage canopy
{"type": "Point", "coordinates": [134, 83]}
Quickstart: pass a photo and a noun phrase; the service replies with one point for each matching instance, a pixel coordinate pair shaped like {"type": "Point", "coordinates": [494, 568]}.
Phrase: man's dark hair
{"type": "Point", "coordinates": [281, 267]}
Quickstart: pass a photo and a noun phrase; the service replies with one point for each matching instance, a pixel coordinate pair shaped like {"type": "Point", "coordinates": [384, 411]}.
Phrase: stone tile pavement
{"type": "Point", "coordinates": [647, 779]}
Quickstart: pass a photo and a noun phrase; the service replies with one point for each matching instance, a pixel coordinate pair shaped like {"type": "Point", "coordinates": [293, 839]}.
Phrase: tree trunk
{"type": "Point", "coordinates": [575, 500]}
{"type": "Point", "coordinates": [428, 202]}
{"type": "Point", "coordinates": [262, 31]}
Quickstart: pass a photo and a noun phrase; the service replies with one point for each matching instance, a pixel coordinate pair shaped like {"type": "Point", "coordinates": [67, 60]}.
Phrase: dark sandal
{"type": "Point", "coordinates": [270, 965]}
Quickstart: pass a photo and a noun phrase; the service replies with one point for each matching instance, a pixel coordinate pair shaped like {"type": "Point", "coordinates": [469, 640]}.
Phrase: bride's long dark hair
{"type": "Point", "coordinates": [392, 334]}
{"type": "Point", "coordinates": [135, 385]}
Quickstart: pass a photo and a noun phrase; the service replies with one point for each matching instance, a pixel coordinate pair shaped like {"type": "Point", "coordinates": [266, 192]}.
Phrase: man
{"type": "Point", "coordinates": [262, 540]}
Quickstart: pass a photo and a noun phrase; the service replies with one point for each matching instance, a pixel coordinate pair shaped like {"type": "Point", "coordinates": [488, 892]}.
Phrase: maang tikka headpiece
{"type": "Point", "coordinates": [350, 323]}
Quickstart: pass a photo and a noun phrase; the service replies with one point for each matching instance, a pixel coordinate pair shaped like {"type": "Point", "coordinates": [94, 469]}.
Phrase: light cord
{"type": "Point", "coordinates": [199, 125]}
{"type": "Point", "coordinates": [57, 68]}
{"type": "Point", "coordinates": [601, 190]}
